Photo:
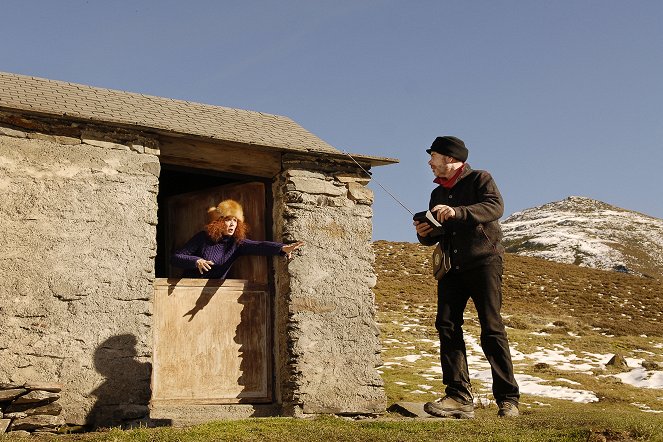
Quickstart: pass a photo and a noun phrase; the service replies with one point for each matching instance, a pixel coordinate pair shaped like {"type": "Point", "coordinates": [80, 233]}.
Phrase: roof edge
{"type": "Point", "coordinates": [372, 160]}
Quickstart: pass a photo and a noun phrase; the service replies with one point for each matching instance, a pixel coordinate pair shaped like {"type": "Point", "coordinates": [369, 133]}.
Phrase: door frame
{"type": "Point", "coordinates": [173, 161]}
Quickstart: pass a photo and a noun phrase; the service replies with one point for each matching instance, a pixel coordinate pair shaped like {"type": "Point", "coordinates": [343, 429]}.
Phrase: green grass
{"type": "Point", "coordinates": [573, 422]}
{"type": "Point", "coordinates": [607, 312]}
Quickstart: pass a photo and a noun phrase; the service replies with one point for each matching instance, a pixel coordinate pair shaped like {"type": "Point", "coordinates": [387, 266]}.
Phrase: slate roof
{"type": "Point", "coordinates": [71, 100]}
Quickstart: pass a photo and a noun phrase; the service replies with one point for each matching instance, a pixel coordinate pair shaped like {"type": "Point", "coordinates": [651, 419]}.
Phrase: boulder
{"type": "Point", "coordinates": [617, 361]}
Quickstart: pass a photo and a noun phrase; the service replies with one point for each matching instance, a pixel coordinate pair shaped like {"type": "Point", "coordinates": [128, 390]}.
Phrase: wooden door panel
{"type": "Point", "coordinates": [211, 342]}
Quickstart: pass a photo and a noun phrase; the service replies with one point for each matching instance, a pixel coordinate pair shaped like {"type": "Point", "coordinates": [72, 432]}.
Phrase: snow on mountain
{"type": "Point", "coordinates": [589, 233]}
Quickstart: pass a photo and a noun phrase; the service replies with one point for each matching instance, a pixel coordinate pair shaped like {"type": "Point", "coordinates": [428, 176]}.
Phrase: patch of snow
{"type": "Point", "coordinates": [536, 386]}
{"type": "Point", "coordinates": [642, 378]}
{"type": "Point", "coordinates": [409, 358]}
{"type": "Point", "coordinates": [568, 381]}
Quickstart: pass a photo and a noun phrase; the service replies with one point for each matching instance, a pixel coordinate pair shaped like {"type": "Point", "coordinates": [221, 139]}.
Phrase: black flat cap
{"type": "Point", "coordinates": [449, 146]}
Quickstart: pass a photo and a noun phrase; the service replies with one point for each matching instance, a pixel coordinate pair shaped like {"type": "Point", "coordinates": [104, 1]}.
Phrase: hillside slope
{"type": "Point", "coordinates": [614, 302]}
{"type": "Point", "coordinates": [588, 233]}
{"type": "Point", "coordinates": [564, 324]}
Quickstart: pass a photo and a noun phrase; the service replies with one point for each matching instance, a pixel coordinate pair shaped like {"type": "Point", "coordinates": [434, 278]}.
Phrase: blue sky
{"type": "Point", "coordinates": [554, 98]}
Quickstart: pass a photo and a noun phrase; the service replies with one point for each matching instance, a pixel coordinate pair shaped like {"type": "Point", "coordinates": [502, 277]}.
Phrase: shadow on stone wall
{"type": "Point", "coordinates": [123, 398]}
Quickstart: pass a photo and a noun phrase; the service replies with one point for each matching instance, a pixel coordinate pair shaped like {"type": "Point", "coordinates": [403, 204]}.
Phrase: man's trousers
{"type": "Point", "coordinates": [484, 286]}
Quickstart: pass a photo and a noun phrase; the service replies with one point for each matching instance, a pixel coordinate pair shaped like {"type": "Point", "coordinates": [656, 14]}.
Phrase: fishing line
{"type": "Point", "coordinates": [370, 175]}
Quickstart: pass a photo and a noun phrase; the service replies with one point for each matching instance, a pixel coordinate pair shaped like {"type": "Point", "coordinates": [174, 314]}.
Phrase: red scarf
{"type": "Point", "coordinates": [449, 183]}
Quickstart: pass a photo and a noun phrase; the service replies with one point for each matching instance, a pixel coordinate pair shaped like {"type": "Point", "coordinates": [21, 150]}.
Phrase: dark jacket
{"type": "Point", "coordinates": [473, 237]}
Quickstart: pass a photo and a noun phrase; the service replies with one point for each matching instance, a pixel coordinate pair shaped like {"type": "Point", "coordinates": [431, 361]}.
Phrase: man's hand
{"type": "Point", "coordinates": [203, 265]}
{"type": "Point", "coordinates": [443, 213]}
{"type": "Point", "coordinates": [423, 229]}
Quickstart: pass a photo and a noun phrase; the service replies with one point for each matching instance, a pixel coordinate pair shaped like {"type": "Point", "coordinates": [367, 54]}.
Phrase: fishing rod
{"type": "Point", "coordinates": [370, 175]}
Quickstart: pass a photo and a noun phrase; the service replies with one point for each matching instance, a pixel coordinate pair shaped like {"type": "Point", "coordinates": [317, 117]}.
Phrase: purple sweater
{"type": "Point", "coordinates": [223, 254]}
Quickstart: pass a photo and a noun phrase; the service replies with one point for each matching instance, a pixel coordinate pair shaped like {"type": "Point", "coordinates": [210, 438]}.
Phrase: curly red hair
{"type": "Point", "coordinates": [215, 229]}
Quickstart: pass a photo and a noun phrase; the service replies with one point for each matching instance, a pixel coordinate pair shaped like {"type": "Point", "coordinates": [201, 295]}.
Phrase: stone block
{"type": "Point", "coordinates": [153, 168]}
{"type": "Point", "coordinates": [59, 139]}
{"type": "Point", "coordinates": [304, 174]}
{"type": "Point", "coordinates": [37, 396]}
{"type": "Point", "coordinates": [12, 132]}
{"type": "Point", "coordinates": [347, 178]}
{"type": "Point", "coordinates": [10, 395]}
{"type": "Point", "coordinates": [137, 148]}
{"type": "Point", "coordinates": [23, 410]}
{"type": "Point", "coordinates": [4, 424]}
{"type": "Point", "coordinates": [35, 422]}
{"type": "Point", "coordinates": [315, 186]}
{"type": "Point", "coordinates": [310, 304]}
{"type": "Point", "coordinates": [16, 415]}
{"type": "Point", "coordinates": [360, 193]}
{"type": "Point", "coordinates": [105, 144]}
{"type": "Point", "coordinates": [183, 415]}
{"type": "Point", "coordinates": [46, 386]}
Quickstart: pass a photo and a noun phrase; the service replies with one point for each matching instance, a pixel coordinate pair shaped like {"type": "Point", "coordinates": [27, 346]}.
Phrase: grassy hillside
{"type": "Point", "coordinates": [550, 309]}
{"type": "Point", "coordinates": [536, 292]}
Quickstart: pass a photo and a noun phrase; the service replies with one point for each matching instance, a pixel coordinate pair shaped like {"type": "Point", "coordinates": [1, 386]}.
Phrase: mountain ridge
{"type": "Point", "coordinates": [589, 233]}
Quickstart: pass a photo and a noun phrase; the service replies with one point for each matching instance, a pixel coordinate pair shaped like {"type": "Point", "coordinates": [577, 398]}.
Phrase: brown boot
{"type": "Point", "coordinates": [449, 407]}
{"type": "Point", "coordinates": [508, 409]}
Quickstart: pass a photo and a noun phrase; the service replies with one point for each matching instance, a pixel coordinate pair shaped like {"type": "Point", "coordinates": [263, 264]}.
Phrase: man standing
{"type": "Point", "coordinates": [469, 205]}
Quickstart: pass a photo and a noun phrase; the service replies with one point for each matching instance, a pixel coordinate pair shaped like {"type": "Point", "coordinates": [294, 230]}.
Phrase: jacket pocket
{"type": "Point", "coordinates": [486, 239]}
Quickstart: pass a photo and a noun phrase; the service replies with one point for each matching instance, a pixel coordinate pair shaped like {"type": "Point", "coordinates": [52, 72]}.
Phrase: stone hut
{"type": "Point", "coordinates": [98, 187]}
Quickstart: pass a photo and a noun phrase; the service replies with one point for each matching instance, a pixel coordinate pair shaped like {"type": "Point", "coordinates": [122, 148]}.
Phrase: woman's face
{"type": "Point", "coordinates": [229, 226]}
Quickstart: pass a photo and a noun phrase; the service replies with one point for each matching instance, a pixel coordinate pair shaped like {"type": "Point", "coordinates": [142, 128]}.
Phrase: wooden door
{"type": "Point", "coordinates": [212, 337]}
{"type": "Point", "coordinates": [211, 342]}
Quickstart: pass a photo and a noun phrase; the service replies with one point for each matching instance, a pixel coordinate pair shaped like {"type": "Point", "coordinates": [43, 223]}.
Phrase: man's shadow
{"type": "Point", "coordinates": [123, 397]}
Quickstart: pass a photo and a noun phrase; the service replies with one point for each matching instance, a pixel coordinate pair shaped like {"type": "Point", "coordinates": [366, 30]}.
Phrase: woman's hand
{"type": "Point", "coordinates": [204, 265]}
{"type": "Point", "coordinates": [288, 249]}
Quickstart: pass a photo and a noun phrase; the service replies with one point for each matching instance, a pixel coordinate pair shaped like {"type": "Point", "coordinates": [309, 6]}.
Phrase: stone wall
{"type": "Point", "coordinates": [77, 230]}
{"type": "Point", "coordinates": [30, 407]}
{"type": "Point", "coordinates": [326, 331]}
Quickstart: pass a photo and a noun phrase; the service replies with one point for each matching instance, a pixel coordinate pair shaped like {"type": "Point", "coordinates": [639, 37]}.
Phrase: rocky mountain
{"type": "Point", "coordinates": [588, 233]}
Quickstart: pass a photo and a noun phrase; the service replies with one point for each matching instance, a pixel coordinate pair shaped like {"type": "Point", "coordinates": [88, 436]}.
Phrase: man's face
{"type": "Point", "coordinates": [441, 165]}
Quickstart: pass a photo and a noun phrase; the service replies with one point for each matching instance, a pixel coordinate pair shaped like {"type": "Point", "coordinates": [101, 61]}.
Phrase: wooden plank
{"type": "Point", "coordinates": [211, 344]}
{"type": "Point", "coordinates": [237, 284]}
{"type": "Point", "coordinates": [222, 156]}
